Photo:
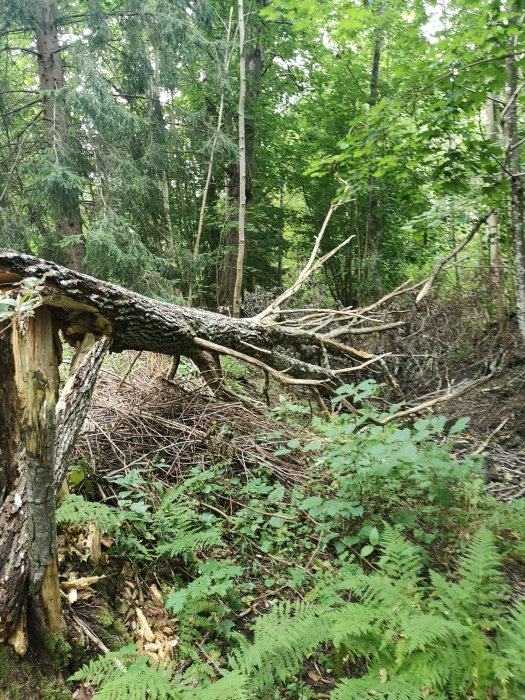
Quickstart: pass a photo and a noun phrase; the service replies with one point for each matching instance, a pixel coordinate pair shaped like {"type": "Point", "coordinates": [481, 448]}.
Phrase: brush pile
{"type": "Point", "coordinates": [148, 422]}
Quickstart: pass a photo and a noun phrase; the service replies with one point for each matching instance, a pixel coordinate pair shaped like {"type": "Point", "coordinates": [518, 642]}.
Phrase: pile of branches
{"type": "Point", "coordinates": [147, 421]}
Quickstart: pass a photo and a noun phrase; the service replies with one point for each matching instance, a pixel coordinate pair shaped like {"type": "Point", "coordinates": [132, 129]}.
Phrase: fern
{"type": "Point", "coordinates": [141, 680]}
{"type": "Point", "coordinates": [77, 511]}
{"type": "Point", "coordinates": [400, 559]}
{"type": "Point", "coordinates": [360, 688]}
{"type": "Point", "coordinates": [177, 516]}
{"type": "Point", "coordinates": [509, 665]}
{"type": "Point", "coordinates": [282, 639]}
{"type": "Point", "coordinates": [124, 675]}
{"type": "Point", "coordinates": [413, 639]}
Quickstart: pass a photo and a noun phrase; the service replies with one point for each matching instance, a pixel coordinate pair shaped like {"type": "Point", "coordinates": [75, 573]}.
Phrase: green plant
{"type": "Point", "coordinates": [414, 638]}
{"type": "Point", "coordinates": [406, 476]}
{"type": "Point", "coordinates": [123, 674]}
{"type": "Point", "coordinates": [143, 528]}
{"type": "Point", "coordinates": [25, 302]}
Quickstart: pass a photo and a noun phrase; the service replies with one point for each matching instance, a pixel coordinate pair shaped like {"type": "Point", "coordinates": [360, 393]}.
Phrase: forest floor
{"type": "Point", "coordinates": [146, 435]}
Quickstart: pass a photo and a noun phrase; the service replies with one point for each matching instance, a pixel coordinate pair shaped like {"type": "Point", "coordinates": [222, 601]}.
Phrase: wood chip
{"type": "Point", "coordinates": [156, 594]}
{"type": "Point", "coordinates": [80, 583]}
{"type": "Point", "coordinates": [144, 627]}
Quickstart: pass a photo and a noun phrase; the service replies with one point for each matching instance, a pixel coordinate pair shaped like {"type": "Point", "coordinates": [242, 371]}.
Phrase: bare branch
{"type": "Point", "coordinates": [435, 272]}
{"type": "Point", "coordinates": [310, 267]}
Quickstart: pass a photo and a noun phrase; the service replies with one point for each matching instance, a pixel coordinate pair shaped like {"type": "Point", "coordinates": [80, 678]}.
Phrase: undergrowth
{"type": "Point", "coordinates": [383, 575]}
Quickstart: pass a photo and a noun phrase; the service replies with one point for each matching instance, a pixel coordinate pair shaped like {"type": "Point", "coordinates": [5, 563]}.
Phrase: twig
{"type": "Point", "coordinates": [310, 267]}
{"type": "Point", "coordinates": [345, 370]}
{"type": "Point", "coordinates": [255, 510]}
{"type": "Point", "coordinates": [210, 660]}
{"type": "Point", "coordinates": [494, 432]}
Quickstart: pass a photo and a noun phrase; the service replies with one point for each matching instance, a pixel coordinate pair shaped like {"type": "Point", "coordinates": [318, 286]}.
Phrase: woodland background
{"type": "Point", "coordinates": [120, 153]}
{"type": "Point", "coordinates": [226, 533]}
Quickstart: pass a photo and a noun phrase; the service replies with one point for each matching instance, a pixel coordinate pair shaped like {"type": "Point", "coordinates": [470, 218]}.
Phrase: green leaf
{"type": "Point", "coordinates": [374, 536]}
{"type": "Point", "coordinates": [459, 426]}
{"type": "Point", "coordinates": [366, 550]}
{"type": "Point", "coordinates": [275, 521]}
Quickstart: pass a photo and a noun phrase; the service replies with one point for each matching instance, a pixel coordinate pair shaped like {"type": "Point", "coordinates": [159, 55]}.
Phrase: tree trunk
{"type": "Point", "coordinates": [42, 439]}
{"type": "Point", "coordinates": [51, 75]}
{"type": "Point", "coordinates": [200, 225]}
{"type": "Point", "coordinates": [510, 122]}
{"type": "Point", "coordinates": [239, 267]}
{"type": "Point", "coordinates": [373, 224]}
{"type": "Point", "coordinates": [34, 344]}
{"type": "Point", "coordinates": [496, 268]}
{"type": "Point", "coordinates": [254, 62]}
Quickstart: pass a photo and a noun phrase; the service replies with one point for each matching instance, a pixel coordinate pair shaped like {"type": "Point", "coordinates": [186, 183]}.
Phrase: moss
{"type": "Point", "coordinates": [15, 691]}
{"type": "Point", "coordinates": [105, 618]}
{"type": "Point", "coordinates": [52, 692]}
{"type": "Point", "coordinates": [7, 662]}
{"type": "Point", "coordinates": [58, 650]}
{"type": "Point", "coordinates": [113, 632]}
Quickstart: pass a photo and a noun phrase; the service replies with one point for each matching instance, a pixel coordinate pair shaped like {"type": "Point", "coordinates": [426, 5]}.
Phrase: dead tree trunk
{"type": "Point", "coordinates": [37, 437]}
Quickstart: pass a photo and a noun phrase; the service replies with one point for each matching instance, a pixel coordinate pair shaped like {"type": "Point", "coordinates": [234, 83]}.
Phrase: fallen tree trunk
{"type": "Point", "coordinates": [36, 439]}
{"type": "Point", "coordinates": [84, 304]}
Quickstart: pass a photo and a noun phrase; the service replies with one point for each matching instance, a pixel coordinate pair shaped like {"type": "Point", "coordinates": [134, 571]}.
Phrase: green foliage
{"type": "Point", "coordinates": [75, 510]}
{"type": "Point", "coordinates": [146, 529]}
{"type": "Point", "coordinates": [409, 636]}
{"type": "Point", "coordinates": [122, 674]}
{"type": "Point", "coordinates": [25, 302]}
{"type": "Point", "coordinates": [399, 475]}
{"type": "Point", "coordinates": [393, 606]}
{"type": "Point", "coordinates": [282, 639]}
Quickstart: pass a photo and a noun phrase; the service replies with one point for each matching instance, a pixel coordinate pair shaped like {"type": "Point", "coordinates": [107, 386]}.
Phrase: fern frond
{"type": "Point", "coordinates": [368, 687]}
{"type": "Point", "coordinates": [480, 566]}
{"type": "Point", "coordinates": [480, 590]}
{"type": "Point", "coordinates": [191, 542]}
{"type": "Point", "coordinates": [355, 620]}
{"type": "Point", "coordinates": [233, 686]}
{"type": "Point", "coordinates": [282, 639]}
{"type": "Point", "coordinates": [77, 511]}
{"type": "Point", "coordinates": [177, 515]}
{"type": "Point", "coordinates": [400, 559]}
{"type": "Point", "coordinates": [422, 631]}
{"type": "Point", "coordinates": [107, 667]}
{"type": "Point", "coordinates": [509, 665]}
{"type": "Point", "coordinates": [140, 681]}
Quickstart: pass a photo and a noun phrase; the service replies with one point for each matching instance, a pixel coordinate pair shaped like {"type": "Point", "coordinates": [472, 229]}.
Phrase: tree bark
{"type": "Point", "coordinates": [84, 304]}
{"type": "Point", "coordinates": [373, 225]}
{"type": "Point", "coordinates": [27, 520]}
{"type": "Point", "coordinates": [239, 267]}
{"type": "Point", "coordinates": [51, 75]}
{"type": "Point", "coordinates": [510, 124]}
{"type": "Point", "coordinates": [496, 268]}
{"type": "Point", "coordinates": [254, 62]}
{"type": "Point", "coordinates": [35, 358]}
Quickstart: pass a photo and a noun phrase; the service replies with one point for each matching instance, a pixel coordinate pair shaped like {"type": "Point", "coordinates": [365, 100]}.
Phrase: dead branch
{"type": "Point", "coordinates": [437, 269]}
{"type": "Point", "coordinates": [310, 267]}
